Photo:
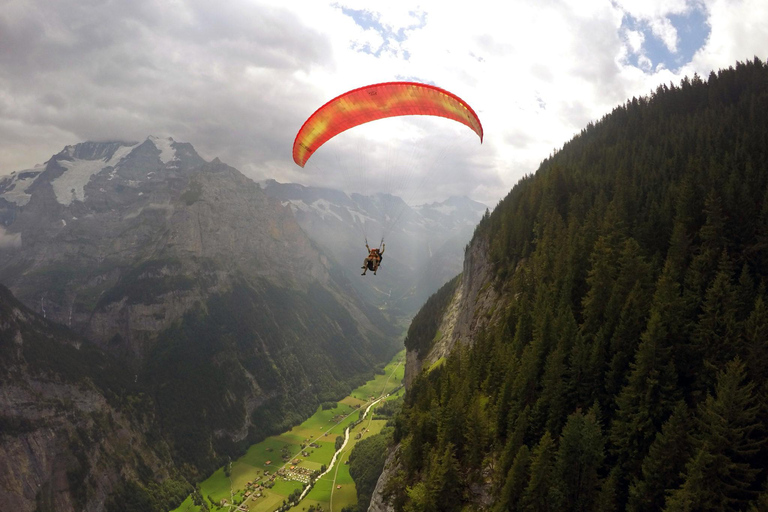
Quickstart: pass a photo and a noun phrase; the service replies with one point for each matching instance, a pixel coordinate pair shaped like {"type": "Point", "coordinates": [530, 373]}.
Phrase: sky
{"type": "Point", "coordinates": [237, 79]}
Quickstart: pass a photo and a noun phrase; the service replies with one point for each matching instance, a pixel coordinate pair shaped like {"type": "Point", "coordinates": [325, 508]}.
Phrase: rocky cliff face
{"type": "Point", "coordinates": [475, 303]}
{"type": "Point", "coordinates": [472, 307]}
{"type": "Point", "coordinates": [228, 316]}
{"type": "Point", "coordinates": [379, 502]}
{"type": "Point", "coordinates": [67, 438]}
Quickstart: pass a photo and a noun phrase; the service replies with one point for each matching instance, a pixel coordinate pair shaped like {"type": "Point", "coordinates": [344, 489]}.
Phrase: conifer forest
{"type": "Point", "coordinates": [628, 370]}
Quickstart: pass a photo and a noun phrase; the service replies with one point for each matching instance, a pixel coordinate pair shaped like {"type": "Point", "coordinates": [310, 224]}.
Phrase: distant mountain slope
{"type": "Point", "coordinates": [226, 313]}
{"type": "Point", "coordinates": [424, 246]}
{"type": "Point", "coordinates": [606, 348]}
{"type": "Point", "coordinates": [73, 426]}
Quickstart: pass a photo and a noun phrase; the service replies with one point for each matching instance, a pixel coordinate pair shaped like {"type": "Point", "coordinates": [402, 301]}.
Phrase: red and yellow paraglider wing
{"type": "Point", "coordinates": [378, 101]}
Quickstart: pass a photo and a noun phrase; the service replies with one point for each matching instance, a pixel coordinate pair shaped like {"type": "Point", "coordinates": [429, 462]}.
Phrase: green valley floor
{"type": "Point", "coordinates": [263, 478]}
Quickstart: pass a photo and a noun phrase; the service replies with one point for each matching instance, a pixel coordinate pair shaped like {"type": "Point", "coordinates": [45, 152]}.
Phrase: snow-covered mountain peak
{"type": "Point", "coordinates": [69, 186]}
{"type": "Point", "coordinates": [13, 188]}
{"type": "Point", "coordinates": [101, 168]}
{"type": "Point", "coordinates": [165, 145]}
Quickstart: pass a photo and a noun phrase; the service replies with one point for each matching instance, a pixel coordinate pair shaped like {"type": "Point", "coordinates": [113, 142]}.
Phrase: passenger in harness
{"type": "Point", "coordinates": [373, 260]}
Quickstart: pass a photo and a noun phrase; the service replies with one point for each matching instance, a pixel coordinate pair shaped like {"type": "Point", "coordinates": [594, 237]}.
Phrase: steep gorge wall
{"type": "Point", "coordinates": [474, 304]}
{"type": "Point", "coordinates": [71, 431]}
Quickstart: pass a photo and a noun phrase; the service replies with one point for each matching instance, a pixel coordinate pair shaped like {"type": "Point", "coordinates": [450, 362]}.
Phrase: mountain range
{"type": "Point", "coordinates": [232, 323]}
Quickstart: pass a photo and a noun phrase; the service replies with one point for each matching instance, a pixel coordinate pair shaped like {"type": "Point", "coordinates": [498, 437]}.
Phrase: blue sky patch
{"type": "Point", "coordinates": [411, 78]}
{"type": "Point", "coordinates": [369, 20]}
{"type": "Point", "coordinates": [692, 33]}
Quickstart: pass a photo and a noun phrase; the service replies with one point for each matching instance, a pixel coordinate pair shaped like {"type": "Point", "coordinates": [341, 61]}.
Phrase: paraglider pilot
{"type": "Point", "coordinates": [373, 260]}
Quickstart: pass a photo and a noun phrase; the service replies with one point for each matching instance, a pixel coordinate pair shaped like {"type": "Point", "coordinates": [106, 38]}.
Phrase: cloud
{"type": "Point", "coordinates": [237, 79]}
{"type": "Point", "coordinates": [664, 30]}
{"type": "Point", "coordinates": [9, 240]}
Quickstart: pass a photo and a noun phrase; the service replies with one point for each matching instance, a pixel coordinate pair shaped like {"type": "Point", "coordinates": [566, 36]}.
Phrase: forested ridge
{"type": "Point", "coordinates": [628, 368]}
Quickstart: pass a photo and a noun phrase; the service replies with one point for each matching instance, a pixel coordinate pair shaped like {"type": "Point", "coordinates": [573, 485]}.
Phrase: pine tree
{"type": "Point", "coordinates": [608, 499]}
{"type": "Point", "coordinates": [664, 464]}
{"type": "Point", "coordinates": [476, 437]}
{"type": "Point", "coordinates": [550, 410]}
{"type": "Point", "coordinates": [538, 495]}
{"type": "Point", "coordinates": [444, 481]}
{"type": "Point", "coordinates": [647, 399]}
{"type": "Point", "coordinates": [756, 341]}
{"type": "Point", "coordinates": [600, 281]}
{"type": "Point", "coordinates": [717, 334]}
{"type": "Point", "coordinates": [720, 474]}
{"type": "Point", "coordinates": [580, 389]}
{"type": "Point", "coordinates": [634, 317]}
{"type": "Point", "coordinates": [745, 294]}
{"type": "Point", "coordinates": [704, 264]}
{"type": "Point", "coordinates": [516, 482]}
{"type": "Point", "coordinates": [579, 458]}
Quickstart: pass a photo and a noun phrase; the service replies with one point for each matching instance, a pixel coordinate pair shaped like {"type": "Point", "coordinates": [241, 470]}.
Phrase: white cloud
{"type": "Point", "coordinates": [9, 240]}
{"type": "Point", "coordinates": [739, 33]}
{"type": "Point", "coordinates": [238, 79]}
{"type": "Point", "coordinates": [644, 63]}
{"type": "Point", "coordinates": [635, 38]}
{"type": "Point", "coordinates": [654, 9]}
{"type": "Point", "coordinates": [664, 30]}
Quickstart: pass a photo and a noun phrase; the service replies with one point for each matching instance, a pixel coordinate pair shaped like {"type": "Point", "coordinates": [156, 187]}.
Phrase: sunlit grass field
{"type": "Point", "coordinates": [374, 387]}
{"type": "Point", "coordinates": [321, 492]}
{"type": "Point", "coordinates": [343, 497]}
{"type": "Point", "coordinates": [268, 503]}
{"type": "Point", "coordinates": [324, 454]}
{"type": "Point", "coordinates": [319, 423]}
{"type": "Point", "coordinates": [284, 487]}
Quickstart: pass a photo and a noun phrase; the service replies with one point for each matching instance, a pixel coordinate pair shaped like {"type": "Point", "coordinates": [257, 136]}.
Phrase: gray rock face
{"type": "Point", "coordinates": [95, 210]}
{"type": "Point", "coordinates": [473, 305]}
{"type": "Point", "coordinates": [425, 244]}
{"type": "Point", "coordinates": [64, 445]}
{"type": "Point", "coordinates": [378, 502]}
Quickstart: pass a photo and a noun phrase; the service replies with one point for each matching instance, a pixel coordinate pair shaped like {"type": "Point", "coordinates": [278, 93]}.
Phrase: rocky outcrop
{"type": "Point", "coordinates": [378, 502]}
{"type": "Point", "coordinates": [473, 306]}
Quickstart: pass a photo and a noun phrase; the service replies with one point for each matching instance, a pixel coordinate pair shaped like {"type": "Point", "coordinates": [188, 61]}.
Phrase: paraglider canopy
{"type": "Point", "coordinates": [379, 101]}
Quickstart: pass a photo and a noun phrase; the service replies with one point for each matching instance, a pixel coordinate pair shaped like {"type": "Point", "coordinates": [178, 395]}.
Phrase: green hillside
{"type": "Point", "coordinates": [628, 369]}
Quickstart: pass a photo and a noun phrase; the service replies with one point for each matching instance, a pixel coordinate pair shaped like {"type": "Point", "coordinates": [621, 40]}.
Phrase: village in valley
{"type": "Point", "coordinates": [307, 468]}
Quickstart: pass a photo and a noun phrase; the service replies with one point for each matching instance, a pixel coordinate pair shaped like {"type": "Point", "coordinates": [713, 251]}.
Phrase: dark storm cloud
{"type": "Point", "coordinates": [212, 73]}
